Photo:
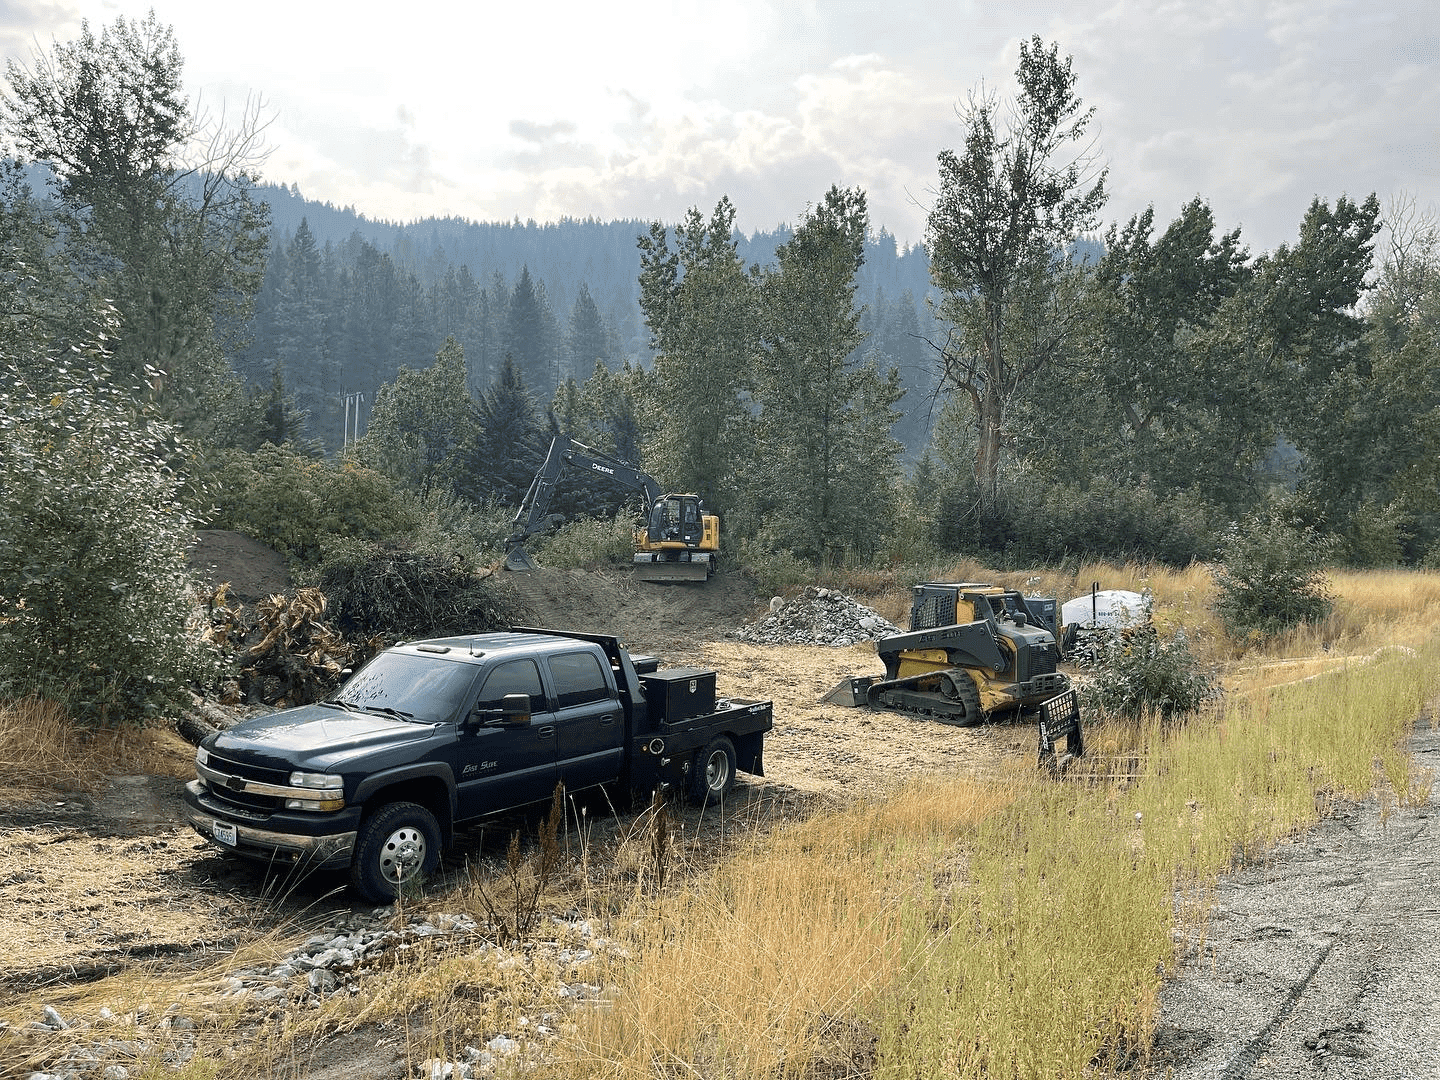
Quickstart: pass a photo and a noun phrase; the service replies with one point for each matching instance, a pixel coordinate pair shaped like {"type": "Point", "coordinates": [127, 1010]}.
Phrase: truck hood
{"type": "Point", "coordinates": [314, 737]}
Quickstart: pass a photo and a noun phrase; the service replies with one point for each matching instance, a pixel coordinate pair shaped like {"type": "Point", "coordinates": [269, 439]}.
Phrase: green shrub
{"type": "Point", "coordinates": [1031, 521]}
{"type": "Point", "coordinates": [589, 543]}
{"type": "Point", "coordinates": [1271, 577]}
{"type": "Point", "coordinates": [94, 592]}
{"type": "Point", "coordinates": [1135, 671]}
{"type": "Point", "coordinates": [1376, 536]}
{"type": "Point", "coordinates": [773, 571]}
{"type": "Point", "coordinates": [294, 503]}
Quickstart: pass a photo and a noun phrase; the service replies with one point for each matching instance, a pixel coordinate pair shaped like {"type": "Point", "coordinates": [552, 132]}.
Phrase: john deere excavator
{"type": "Point", "coordinates": [974, 651]}
{"type": "Point", "coordinates": [679, 541]}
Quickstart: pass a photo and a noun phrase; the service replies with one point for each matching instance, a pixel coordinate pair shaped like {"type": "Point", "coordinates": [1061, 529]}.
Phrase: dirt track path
{"type": "Point", "coordinates": [1323, 960]}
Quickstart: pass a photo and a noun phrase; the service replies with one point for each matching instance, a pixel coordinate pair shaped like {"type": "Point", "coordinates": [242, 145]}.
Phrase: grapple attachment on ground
{"type": "Point", "coordinates": [517, 558]}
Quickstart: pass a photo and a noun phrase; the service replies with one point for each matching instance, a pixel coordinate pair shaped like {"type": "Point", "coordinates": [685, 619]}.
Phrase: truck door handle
{"type": "Point", "coordinates": [608, 718]}
{"type": "Point", "coordinates": [546, 731]}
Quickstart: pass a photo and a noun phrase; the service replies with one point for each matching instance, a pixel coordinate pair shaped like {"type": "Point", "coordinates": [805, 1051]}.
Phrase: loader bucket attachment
{"type": "Point", "coordinates": [672, 571]}
{"type": "Point", "coordinates": [517, 558]}
{"type": "Point", "coordinates": [850, 692]}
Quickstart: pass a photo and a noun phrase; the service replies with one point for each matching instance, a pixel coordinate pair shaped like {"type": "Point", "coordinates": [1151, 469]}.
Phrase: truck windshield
{"type": "Point", "coordinates": [421, 688]}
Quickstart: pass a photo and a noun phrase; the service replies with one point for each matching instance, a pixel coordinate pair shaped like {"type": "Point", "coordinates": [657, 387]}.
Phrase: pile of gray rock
{"type": "Point", "coordinates": [333, 961]}
{"type": "Point", "coordinates": [817, 617]}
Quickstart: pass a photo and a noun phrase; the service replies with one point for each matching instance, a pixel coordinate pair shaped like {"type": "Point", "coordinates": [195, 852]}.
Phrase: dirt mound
{"type": "Point", "coordinates": [667, 620]}
{"type": "Point", "coordinates": [253, 570]}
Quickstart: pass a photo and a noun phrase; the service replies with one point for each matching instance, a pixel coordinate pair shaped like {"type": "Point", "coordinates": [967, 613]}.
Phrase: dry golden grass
{"type": "Point", "coordinates": [42, 750]}
{"type": "Point", "coordinates": [1018, 929]}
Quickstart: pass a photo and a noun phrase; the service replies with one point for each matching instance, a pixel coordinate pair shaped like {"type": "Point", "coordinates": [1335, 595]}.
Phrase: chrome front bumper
{"type": "Point", "coordinates": [333, 849]}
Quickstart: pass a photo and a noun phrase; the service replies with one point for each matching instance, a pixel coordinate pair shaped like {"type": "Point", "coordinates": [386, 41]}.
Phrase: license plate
{"type": "Point", "coordinates": [224, 833]}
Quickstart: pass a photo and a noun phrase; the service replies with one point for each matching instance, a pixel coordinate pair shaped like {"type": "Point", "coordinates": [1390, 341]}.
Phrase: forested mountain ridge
{"type": "Point", "coordinates": [347, 301]}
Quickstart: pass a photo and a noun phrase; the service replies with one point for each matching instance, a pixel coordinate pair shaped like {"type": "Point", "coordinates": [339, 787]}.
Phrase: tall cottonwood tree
{"type": "Point", "coordinates": [157, 209]}
{"type": "Point", "coordinates": [1007, 206]}
{"type": "Point", "coordinates": [1134, 388]}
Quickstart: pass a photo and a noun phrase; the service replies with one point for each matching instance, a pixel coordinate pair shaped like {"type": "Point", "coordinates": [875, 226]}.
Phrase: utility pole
{"type": "Point", "coordinates": [351, 436]}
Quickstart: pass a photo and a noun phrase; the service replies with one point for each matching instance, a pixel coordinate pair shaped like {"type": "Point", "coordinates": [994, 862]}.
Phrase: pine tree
{"type": "Point", "coordinates": [529, 335]}
{"type": "Point", "coordinates": [588, 341]}
{"type": "Point", "coordinates": [506, 442]}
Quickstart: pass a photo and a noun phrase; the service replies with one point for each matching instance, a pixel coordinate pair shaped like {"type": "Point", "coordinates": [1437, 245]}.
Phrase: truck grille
{"type": "Point", "coordinates": [233, 773]}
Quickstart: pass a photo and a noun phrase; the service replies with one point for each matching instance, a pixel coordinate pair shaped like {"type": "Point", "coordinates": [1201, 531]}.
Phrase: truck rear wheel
{"type": "Point", "coordinates": [398, 845]}
{"type": "Point", "coordinates": [712, 774]}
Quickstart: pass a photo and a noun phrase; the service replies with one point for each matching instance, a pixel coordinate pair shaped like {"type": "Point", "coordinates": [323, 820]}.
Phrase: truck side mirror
{"type": "Point", "coordinates": [515, 710]}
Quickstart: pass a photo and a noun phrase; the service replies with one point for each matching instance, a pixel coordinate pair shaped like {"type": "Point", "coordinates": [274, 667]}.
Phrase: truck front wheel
{"type": "Point", "coordinates": [397, 845]}
{"type": "Point", "coordinates": [712, 774]}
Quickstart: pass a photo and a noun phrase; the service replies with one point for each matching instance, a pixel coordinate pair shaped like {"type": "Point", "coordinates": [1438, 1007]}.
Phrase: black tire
{"type": "Point", "coordinates": [398, 845]}
{"type": "Point", "coordinates": [712, 773]}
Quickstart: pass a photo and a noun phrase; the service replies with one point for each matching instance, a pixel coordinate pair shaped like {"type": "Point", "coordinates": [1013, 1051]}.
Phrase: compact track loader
{"type": "Point", "coordinates": [974, 651]}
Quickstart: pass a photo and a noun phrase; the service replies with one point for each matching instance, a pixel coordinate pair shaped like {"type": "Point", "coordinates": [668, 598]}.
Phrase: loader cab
{"type": "Point", "coordinates": [1018, 630]}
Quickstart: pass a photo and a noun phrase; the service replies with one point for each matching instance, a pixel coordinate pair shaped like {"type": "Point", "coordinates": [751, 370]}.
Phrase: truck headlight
{"type": "Point", "coordinates": [336, 802]}
{"type": "Point", "coordinates": [329, 791]}
{"type": "Point", "coordinates": [316, 780]}
{"type": "Point", "coordinates": [202, 756]}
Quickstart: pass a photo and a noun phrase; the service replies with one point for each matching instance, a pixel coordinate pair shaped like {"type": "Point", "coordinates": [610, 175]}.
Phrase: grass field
{"type": "Point", "coordinates": [1021, 928]}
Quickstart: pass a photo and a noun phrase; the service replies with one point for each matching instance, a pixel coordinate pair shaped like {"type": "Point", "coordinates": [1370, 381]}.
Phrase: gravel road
{"type": "Point", "coordinates": [1322, 960]}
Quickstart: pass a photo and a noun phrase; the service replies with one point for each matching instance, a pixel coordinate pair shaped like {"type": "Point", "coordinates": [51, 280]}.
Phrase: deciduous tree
{"type": "Point", "coordinates": [700, 305]}
{"type": "Point", "coordinates": [1007, 206]}
{"type": "Point", "coordinates": [158, 212]}
{"type": "Point", "coordinates": [823, 460]}
{"type": "Point", "coordinates": [420, 421]}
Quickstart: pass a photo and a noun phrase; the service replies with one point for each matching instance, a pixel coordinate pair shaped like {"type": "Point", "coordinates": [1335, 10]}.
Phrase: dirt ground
{"type": "Point", "coordinates": [1321, 962]}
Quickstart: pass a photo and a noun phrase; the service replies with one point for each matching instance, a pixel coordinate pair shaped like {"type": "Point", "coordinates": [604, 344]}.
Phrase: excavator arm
{"type": "Point", "coordinates": [565, 453]}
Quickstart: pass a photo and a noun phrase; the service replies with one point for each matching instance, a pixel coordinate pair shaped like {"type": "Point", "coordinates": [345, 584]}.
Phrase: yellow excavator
{"type": "Point", "coordinates": [679, 541]}
{"type": "Point", "coordinates": [974, 651]}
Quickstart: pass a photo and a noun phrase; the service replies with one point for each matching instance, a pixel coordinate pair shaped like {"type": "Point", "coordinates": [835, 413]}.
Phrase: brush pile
{"type": "Point", "coordinates": [281, 651]}
{"type": "Point", "coordinates": [817, 617]}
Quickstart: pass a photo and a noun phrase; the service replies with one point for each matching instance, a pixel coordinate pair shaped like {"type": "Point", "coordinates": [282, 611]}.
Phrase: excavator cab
{"type": "Point", "coordinates": [679, 541]}
{"type": "Point", "coordinates": [676, 518]}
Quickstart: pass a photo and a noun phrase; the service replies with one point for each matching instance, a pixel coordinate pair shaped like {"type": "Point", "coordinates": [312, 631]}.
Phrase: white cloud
{"type": "Point", "coordinates": [643, 108]}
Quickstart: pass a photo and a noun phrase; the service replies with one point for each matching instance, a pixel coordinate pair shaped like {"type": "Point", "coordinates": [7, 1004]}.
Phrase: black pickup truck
{"type": "Point", "coordinates": [432, 734]}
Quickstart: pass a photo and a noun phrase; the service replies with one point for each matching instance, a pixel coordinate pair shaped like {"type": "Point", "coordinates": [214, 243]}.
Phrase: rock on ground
{"type": "Point", "coordinates": [817, 617]}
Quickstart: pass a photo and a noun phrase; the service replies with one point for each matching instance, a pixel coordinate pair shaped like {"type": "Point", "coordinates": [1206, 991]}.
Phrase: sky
{"type": "Point", "coordinates": [641, 109]}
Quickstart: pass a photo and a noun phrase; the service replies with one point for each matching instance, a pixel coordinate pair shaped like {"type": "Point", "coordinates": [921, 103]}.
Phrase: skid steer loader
{"type": "Point", "coordinates": [974, 651]}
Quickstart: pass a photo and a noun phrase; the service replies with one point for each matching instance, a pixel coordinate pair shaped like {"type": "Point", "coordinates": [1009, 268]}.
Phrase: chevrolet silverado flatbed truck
{"type": "Point", "coordinates": [432, 734]}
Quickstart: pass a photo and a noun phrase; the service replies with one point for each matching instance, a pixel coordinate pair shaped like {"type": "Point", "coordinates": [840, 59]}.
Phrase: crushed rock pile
{"type": "Point", "coordinates": [817, 617]}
